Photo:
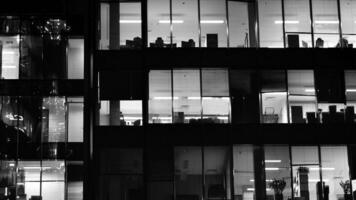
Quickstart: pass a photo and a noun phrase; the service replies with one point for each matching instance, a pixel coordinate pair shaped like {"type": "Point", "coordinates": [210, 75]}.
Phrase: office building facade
{"type": "Point", "coordinates": [178, 100]}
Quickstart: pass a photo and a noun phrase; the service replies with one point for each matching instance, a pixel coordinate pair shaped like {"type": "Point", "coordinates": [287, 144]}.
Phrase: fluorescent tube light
{"type": "Point", "coordinates": [173, 21]}
{"type": "Point", "coordinates": [327, 22]}
{"type": "Point", "coordinates": [12, 165]}
{"type": "Point", "coordinates": [9, 66]}
{"type": "Point", "coordinates": [8, 53]}
{"type": "Point", "coordinates": [323, 168]}
{"type": "Point", "coordinates": [165, 98]}
{"type": "Point", "coordinates": [193, 98]}
{"type": "Point", "coordinates": [122, 21]}
{"type": "Point", "coordinates": [350, 90]}
{"type": "Point", "coordinates": [267, 180]}
{"type": "Point", "coordinates": [273, 161]}
{"type": "Point", "coordinates": [216, 98]}
{"type": "Point", "coordinates": [212, 21]}
{"type": "Point", "coordinates": [309, 90]}
{"type": "Point", "coordinates": [286, 22]}
{"type": "Point", "coordinates": [253, 189]}
{"type": "Point", "coordinates": [272, 168]}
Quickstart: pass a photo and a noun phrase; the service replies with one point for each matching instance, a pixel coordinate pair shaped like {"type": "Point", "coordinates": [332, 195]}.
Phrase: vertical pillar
{"type": "Point", "coordinates": [259, 170]}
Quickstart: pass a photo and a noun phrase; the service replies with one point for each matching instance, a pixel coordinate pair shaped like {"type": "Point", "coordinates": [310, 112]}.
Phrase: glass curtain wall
{"type": "Point", "coordinates": [350, 86]}
{"type": "Point", "coordinates": [348, 22]}
{"type": "Point", "coordinates": [33, 162]}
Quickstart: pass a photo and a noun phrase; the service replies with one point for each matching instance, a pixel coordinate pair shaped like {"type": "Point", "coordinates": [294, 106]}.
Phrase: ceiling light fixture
{"type": "Point", "coordinates": [286, 22]}
{"type": "Point", "coordinates": [169, 21]}
{"type": "Point", "coordinates": [350, 90]}
{"type": "Point", "coordinates": [9, 67]}
{"type": "Point", "coordinates": [272, 168]}
{"type": "Point", "coordinates": [273, 161]}
{"type": "Point", "coordinates": [309, 90]}
{"type": "Point", "coordinates": [327, 22]}
{"type": "Point", "coordinates": [323, 168]}
{"type": "Point", "coordinates": [212, 21]}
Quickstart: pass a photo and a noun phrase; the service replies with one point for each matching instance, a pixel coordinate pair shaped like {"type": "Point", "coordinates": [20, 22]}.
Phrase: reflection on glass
{"type": "Point", "coordinates": [241, 24]}
{"type": "Point", "coordinates": [160, 96]}
{"type": "Point", "coordinates": [277, 170]}
{"type": "Point", "coordinates": [159, 34]}
{"type": "Point", "coordinates": [348, 19]}
{"type": "Point", "coordinates": [302, 99]}
{"type": "Point", "coordinates": [350, 86]}
{"type": "Point", "coordinates": [306, 176]}
{"type": "Point", "coordinates": [335, 171]}
{"type": "Point", "coordinates": [121, 113]}
{"type": "Point", "coordinates": [9, 48]}
{"type": "Point", "coordinates": [53, 119]}
{"type": "Point", "coordinates": [244, 188]}
{"type": "Point", "coordinates": [188, 173]}
{"type": "Point", "coordinates": [216, 169]}
{"type": "Point", "coordinates": [271, 29]}
{"type": "Point", "coordinates": [185, 23]}
{"type": "Point", "coordinates": [213, 23]}
{"type": "Point", "coordinates": [186, 96]}
{"type": "Point", "coordinates": [297, 23]}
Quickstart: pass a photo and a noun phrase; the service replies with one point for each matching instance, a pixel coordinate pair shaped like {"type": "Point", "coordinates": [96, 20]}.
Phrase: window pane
{"type": "Point", "coordinates": [242, 20]}
{"type": "Point", "coordinates": [185, 23]}
{"type": "Point", "coordinates": [335, 171]}
{"type": "Point", "coordinates": [301, 82]}
{"type": "Point", "coordinates": [160, 96]}
{"type": "Point", "coordinates": [274, 107]}
{"type": "Point", "coordinates": [130, 25]}
{"type": "Point", "coordinates": [75, 119]}
{"type": "Point", "coordinates": [75, 59]}
{"type": "Point", "coordinates": [350, 86]}
{"type": "Point", "coordinates": [270, 17]}
{"type": "Point", "coordinates": [53, 114]}
{"type": "Point", "coordinates": [215, 83]}
{"type": "Point", "coordinates": [213, 22]}
{"type": "Point", "coordinates": [216, 168]}
{"type": "Point", "coordinates": [297, 23]}
{"type": "Point", "coordinates": [277, 163]}
{"type": "Point", "coordinates": [158, 12]}
{"type": "Point", "coordinates": [243, 172]}
{"type": "Point", "coordinates": [188, 173]}
{"type": "Point", "coordinates": [306, 174]}
{"type": "Point", "coordinates": [186, 96]}
{"type": "Point", "coordinates": [326, 22]}
{"type": "Point", "coordinates": [120, 113]}
{"type": "Point", "coordinates": [348, 16]}
{"type": "Point", "coordinates": [331, 113]}
{"type": "Point", "coordinates": [9, 48]}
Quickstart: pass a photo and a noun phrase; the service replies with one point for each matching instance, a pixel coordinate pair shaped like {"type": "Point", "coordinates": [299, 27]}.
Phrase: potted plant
{"type": "Point", "coordinates": [346, 187]}
{"type": "Point", "coordinates": [278, 186]}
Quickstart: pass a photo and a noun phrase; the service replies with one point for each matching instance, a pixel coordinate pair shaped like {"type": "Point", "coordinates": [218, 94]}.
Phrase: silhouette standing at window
{"type": "Point", "coordinates": [342, 43]}
{"type": "Point", "coordinates": [319, 43]}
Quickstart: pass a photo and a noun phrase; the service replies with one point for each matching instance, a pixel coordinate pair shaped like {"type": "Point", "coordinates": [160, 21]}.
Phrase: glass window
{"type": "Point", "coordinates": [306, 176]}
{"type": "Point", "coordinates": [75, 119]}
{"type": "Point", "coordinates": [302, 98]}
{"type": "Point", "coordinates": [245, 102]}
{"type": "Point", "coordinates": [273, 97]}
{"type": "Point", "coordinates": [159, 27]}
{"type": "Point", "coordinates": [326, 23]}
{"type": "Point", "coordinates": [270, 26]}
{"type": "Point", "coordinates": [188, 173]}
{"type": "Point", "coordinates": [120, 25]}
{"type": "Point", "coordinates": [216, 169]}
{"type": "Point", "coordinates": [277, 169]}
{"type": "Point", "coordinates": [186, 96]}
{"type": "Point", "coordinates": [331, 112]}
{"type": "Point", "coordinates": [215, 92]}
{"type": "Point", "coordinates": [350, 86]}
{"type": "Point", "coordinates": [75, 59]}
{"type": "Point", "coordinates": [160, 96]}
{"type": "Point", "coordinates": [121, 113]}
{"type": "Point", "coordinates": [242, 24]}
{"type": "Point", "coordinates": [348, 21]}
{"type": "Point", "coordinates": [213, 23]}
{"type": "Point", "coordinates": [121, 174]}
{"type": "Point", "coordinates": [335, 172]}
{"type": "Point", "coordinates": [297, 23]}
{"type": "Point", "coordinates": [243, 163]}
{"type": "Point", "coordinates": [53, 119]}
{"type": "Point", "coordinates": [10, 54]}
{"type": "Point", "coordinates": [185, 23]}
